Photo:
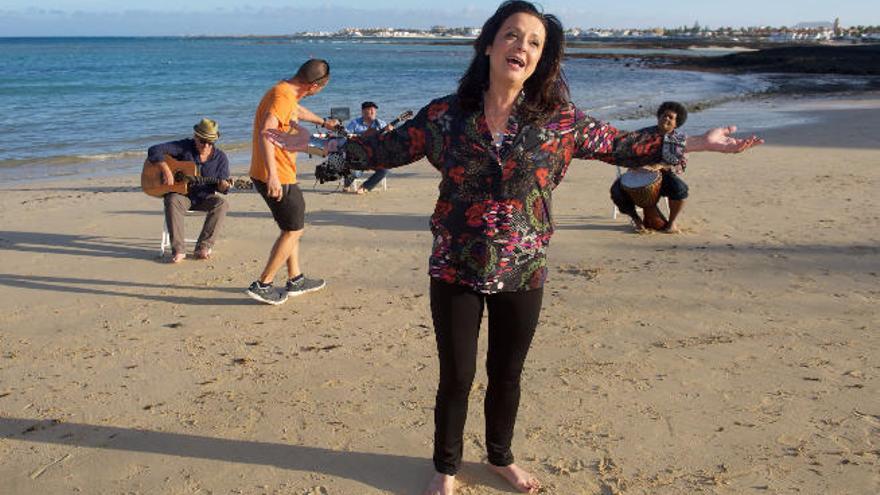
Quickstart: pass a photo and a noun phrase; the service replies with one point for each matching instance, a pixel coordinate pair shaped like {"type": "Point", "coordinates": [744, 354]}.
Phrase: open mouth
{"type": "Point", "coordinates": [516, 62]}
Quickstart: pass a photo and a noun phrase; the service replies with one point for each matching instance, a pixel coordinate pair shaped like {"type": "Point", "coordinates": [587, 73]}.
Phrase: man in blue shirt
{"type": "Point", "coordinates": [211, 162]}
{"type": "Point", "coordinates": [366, 122]}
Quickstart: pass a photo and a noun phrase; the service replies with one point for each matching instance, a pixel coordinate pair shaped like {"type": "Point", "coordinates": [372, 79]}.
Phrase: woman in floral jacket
{"type": "Point", "coordinates": [501, 143]}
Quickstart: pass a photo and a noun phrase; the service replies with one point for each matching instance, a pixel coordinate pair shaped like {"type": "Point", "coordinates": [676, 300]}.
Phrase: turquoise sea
{"type": "Point", "coordinates": [74, 106]}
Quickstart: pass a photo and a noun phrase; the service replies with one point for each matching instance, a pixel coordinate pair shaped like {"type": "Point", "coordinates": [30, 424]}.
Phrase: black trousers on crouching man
{"type": "Point", "coordinates": [457, 311]}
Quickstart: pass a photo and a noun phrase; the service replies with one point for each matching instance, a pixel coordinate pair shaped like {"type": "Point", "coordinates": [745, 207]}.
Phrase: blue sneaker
{"type": "Point", "coordinates": [301, 285]}
{"type": "Point", "coordinates": [266, 294]}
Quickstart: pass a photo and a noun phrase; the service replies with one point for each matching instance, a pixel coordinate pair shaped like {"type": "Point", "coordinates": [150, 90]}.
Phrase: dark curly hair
{"type": "Point", "coordinates": [681, 112]}
{"type": "Point", "coordinates": [545, 91]}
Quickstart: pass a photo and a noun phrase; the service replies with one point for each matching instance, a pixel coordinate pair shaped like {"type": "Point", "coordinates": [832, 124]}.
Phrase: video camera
{"type": "Point", "coordinates": [333, 168]}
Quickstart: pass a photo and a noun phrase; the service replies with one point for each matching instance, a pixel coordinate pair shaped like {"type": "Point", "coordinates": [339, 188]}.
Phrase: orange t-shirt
{"type": "Point", "coordinates": [280, 101]}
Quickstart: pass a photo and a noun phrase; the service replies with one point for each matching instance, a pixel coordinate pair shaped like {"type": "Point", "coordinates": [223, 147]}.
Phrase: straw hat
{"type": "Point", "coordinates": [207, 129]}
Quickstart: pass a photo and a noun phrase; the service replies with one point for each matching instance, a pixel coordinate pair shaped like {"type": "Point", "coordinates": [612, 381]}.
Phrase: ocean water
{"type": "Point", "coordinates": [75, 106]}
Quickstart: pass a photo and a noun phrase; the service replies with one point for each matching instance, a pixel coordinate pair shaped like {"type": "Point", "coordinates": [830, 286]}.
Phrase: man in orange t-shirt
{"type": "Point", "coordinates": [273, 171]}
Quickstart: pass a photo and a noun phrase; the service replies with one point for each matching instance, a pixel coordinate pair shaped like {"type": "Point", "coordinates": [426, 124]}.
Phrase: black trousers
{"type": "Point", "coordinates": [457, 311]}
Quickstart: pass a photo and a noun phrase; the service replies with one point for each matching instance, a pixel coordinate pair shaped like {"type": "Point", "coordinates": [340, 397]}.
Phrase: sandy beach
{"type": "Point", "coordinates": [740, 356]}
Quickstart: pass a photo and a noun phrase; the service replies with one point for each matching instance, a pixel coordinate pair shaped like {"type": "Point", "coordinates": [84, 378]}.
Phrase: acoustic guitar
{"type": "Point", "coordinates": [402, 117]}
{"type": "Point", "coordinates": [343, 132]}
{"type": "Point", "coordinates": [185, 173]}
{"type": "Point", "coordinates": [372, 130]}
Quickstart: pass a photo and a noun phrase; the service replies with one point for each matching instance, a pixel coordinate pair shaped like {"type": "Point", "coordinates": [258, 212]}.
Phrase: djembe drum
{"type": "Point", "coordinates": [643, 186]}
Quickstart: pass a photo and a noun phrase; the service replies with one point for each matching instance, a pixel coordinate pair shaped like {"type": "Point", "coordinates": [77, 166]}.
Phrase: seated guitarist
{"type": "Point", "coordinates": [211, 162]}
{"type": "Point", "coordinates": [670, 116]}
{"type": "Point", "coordinates": [367, 122]}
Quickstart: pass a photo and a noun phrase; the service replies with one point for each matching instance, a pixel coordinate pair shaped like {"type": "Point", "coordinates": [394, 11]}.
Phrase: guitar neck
{"type": "Point", "coordinates": [200, 181]}
{"type": "Point", "coordinates": [195, 180]}
{"type": "Point", "coordinates": [402, 117]}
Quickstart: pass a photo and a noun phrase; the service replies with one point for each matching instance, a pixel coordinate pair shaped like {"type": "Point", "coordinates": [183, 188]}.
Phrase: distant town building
{"type": "Point", "coordinates": [813, 25]}
{"type": "Point", "coordinates": [803, 32]}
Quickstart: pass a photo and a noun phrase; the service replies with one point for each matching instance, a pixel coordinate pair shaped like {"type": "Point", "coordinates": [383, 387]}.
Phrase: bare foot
{"type": "Point", "coordinates": [177, 258]}
{"type": "Point", "coordinates": [441, 484]}
{"type": "Point", "coordinates": [203, 253]}
{"type": "Point", "coordinates": [640, 229]}
{"type": "Point", "coordinates": [518, 477]}
{"type": "Point", "coordinates": [361, 190]}
{"type": "Point", "coordinates": [637, 225]}
{"type": "Point", "coordinates": [671, 228]}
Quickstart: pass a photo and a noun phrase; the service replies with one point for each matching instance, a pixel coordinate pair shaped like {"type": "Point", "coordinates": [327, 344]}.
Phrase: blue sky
{"type": "Point", "coordinates": [176, 17]}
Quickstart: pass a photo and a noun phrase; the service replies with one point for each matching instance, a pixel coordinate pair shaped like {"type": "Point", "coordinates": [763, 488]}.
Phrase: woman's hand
{"type": "Point", "coordinates": [296, 140]}
{"type": "Point", "coordinates": [720, 140]}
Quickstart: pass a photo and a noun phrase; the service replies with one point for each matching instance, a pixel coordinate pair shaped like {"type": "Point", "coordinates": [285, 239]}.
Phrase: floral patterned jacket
{"type": "Point", "coordinates": [492, 221]}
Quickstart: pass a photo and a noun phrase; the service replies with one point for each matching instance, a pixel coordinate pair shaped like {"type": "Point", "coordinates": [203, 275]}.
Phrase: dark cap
{"type": "Point", "coordinates": [368, 104]}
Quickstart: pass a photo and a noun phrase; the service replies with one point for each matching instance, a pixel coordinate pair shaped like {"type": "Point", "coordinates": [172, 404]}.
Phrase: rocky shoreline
{"type": "Point", "coordinates": [860, 60]}
{"type": "Point", "coordinates": [857, 60]}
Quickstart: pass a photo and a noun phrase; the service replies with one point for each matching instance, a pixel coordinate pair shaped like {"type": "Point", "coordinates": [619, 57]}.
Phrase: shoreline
{"type": "Point", "coordinates": [858, 60]}
{"type": "Point", "coordinates": [240, 153]}
{"type": "Point", "coordinates": [754, 102]}
{"type": "Point", "coordinates": [89, 147]}
{"type": "Point", "coordinates": [861, 60]}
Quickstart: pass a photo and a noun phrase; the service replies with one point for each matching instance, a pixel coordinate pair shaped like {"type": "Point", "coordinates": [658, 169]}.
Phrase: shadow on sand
{"type": "Point", "coordinates": [74, 244]}
{"type": "Point", "coordinates": [391, 473]}
{"type": "Point", "coordinates": [368, 221]}
{"type": "Point", "coordinates": [127, 288]}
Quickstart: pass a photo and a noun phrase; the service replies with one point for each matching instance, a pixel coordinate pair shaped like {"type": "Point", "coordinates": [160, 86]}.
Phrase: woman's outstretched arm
{"type": "Point", "coordinates": [601, 141]}
{"type": "Point", "coordinates": [403, 145]}
{"type": "Point", "coordinates": [720, 140]}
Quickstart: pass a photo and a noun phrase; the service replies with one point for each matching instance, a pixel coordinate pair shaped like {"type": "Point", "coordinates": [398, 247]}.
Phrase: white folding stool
{"type": "Point", "coordinates": [165, 243]}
